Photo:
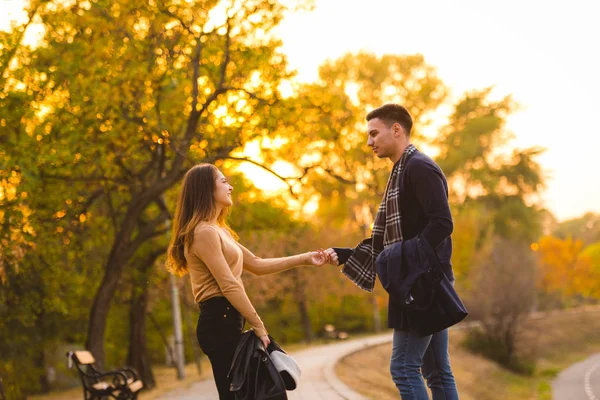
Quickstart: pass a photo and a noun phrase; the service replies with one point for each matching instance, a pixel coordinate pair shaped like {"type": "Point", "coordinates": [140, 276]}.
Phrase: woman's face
{"type": "Point", "coordinates": [223, 191]}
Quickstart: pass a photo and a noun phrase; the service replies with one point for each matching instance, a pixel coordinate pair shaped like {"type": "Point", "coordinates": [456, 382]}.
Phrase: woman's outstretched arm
{"type": "Point", "coordinates": [265, 266]}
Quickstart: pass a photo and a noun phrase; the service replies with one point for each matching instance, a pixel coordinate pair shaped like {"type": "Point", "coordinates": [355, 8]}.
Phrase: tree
{"type": "Point", "coordinates": [467, 240]}
{"type": "Point", "coordinates": [503, 300]}
{"type": "Point", "coordinates": [357, 83]}
{"type": "Point", "coordinates": [591, 256]}
{"type": "Point", "coordinates": [16, 234]}
{"type": "Point", "coordinates": [45, 302]}
{"type": "Point", "coordinates": [585, 228]}
{"type": "Point", "coordinates": [471, 156]}
{"type": "Point", "coordinates": [156, 87]}
{"type": "Point", "coordinates": [568, 268]}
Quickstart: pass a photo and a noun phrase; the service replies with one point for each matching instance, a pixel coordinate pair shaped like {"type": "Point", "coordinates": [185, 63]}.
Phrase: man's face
{"type": "Point", "coordinates": [381, 138]}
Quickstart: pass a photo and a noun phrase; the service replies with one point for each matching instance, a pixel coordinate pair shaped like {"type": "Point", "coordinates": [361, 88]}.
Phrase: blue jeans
{"type": "Point", "coordinates": [412, 354]}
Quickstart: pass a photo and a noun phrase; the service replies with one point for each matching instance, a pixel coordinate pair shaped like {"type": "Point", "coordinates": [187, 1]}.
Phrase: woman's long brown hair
{"type": "Point", "coordinates": [196, 203]}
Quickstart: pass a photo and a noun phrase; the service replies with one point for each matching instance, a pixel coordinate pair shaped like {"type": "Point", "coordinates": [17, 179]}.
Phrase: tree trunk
{"type": "Point", "coordinates": [305, 318]}
{"type": "Point", "coordinates": [100, 309]}
{"type": "Point", "coordinates": [300, 297]}
{"type": "Point", "coordinates": [123, 249]}
{"type": "Point", "coordinates": [40, 362]}
{"type": "Point", "coordinates": [191, 315]}
{"type": "Point", "coordinates": [40, 353]}
{"type": "Point", "coordinates": [40, 358]}
{"type": "Point", "coordinates": [192, 334]}
{"type": "Point", "coordinates": [125, 244]}
{"type": "Point", "coordinates": [137, 356]}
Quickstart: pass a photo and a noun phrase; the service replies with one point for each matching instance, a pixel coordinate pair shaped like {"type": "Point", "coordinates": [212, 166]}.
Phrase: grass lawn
{"type": "Point", "coordinates": [559, 340]}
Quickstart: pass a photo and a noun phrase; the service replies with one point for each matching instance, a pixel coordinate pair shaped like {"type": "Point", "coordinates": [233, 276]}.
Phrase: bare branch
{"type": "Point", "coordinates": [284, 179]}
{"type": "Point", "coordinates": [339, 178]}
{"type": "Point", "coordinates": [195, 76]}
{"type": "Point", "coordinates": [195, 114]}
{"type": "Point", "coordinates": [160, 202]}
{"type": "Point", "coordinates": [136, 120]}
{"type": "Point", "coordinates": [252, 95]}
{"type": "Point", "coordinates": [181, 21]}
{"type": "Point", "coordinates": [129, 173]}
{"type": "Point", "coordinates": [219, 87]}
{"type": "Point", "coordinates": [157, 104]}
{"type": "Point", "coordinates": [226, 56]}
{"type": "Point", "coordinates": [91, 199]}
{"type": "Point", "coordinates": [112, 211]}
{"type": "Point", "coordinates": [148, 230]}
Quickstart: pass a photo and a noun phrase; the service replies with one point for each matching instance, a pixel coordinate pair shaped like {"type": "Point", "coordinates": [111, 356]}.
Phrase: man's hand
{"type": "Point", "coordinates": [332, 256]}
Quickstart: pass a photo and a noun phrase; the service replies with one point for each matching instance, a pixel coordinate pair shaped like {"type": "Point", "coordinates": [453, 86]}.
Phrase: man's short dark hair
{"type": "Point", "coordinates": [392, 113]}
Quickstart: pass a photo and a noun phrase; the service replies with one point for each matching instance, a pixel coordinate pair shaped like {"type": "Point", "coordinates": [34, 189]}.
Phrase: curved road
{"type": "Point", "coordinates": [318, 381]}
{"type": "Point", "coordinates": [580, 381]}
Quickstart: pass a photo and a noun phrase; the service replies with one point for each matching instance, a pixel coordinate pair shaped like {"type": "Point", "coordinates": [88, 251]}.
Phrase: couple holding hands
{"type": "Point", "coordinates": [415, 203]}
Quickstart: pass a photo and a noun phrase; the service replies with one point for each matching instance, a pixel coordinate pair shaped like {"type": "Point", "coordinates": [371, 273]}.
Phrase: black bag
{"type": "Point", "coordinates": [440, 306]}
{"type": "Point", "coordinates": [412, 275]}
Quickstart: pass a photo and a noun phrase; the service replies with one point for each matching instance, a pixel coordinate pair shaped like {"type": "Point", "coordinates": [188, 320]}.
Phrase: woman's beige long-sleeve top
{"type": "Point", "coordinates": [216, 260]}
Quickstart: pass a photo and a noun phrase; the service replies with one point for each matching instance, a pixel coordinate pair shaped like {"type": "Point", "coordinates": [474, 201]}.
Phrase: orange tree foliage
{"type": "Point", "coordinates": [568, 268]}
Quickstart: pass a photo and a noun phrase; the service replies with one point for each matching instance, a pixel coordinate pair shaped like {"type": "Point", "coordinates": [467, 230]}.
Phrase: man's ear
{"type": "Point", "coordinates": [397, 129]}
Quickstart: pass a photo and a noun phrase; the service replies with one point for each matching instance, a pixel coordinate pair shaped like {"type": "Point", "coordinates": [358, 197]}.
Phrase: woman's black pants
{"type": "Point", "coordinates": [219, 330]}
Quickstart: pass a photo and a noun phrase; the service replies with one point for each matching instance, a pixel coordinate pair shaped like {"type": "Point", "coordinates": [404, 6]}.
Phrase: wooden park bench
{"type": "Point", "coordinates": [121, 384]}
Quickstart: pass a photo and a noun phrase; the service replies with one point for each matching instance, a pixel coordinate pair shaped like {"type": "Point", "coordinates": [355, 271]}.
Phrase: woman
{"type": "Point", "coordinates": [203, 245]}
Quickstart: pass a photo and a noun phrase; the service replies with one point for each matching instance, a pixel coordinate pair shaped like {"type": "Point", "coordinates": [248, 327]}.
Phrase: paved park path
{"type": "Point", "coordinates": [580, 381]}
{"type": "Point", "coordinates": [318, 381]}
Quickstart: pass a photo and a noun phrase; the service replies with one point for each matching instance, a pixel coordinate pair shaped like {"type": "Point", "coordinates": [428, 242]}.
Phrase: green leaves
{"type": "Point", "coordinates": [104, 116]}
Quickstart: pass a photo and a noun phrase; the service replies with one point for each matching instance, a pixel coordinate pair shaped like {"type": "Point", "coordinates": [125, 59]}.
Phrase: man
{"type": "Point", "coordinates": [419, 186]}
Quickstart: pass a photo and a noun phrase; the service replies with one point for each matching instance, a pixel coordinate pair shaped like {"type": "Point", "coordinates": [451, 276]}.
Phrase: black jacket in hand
{"type": "Point", "coordinates": [252, 374]}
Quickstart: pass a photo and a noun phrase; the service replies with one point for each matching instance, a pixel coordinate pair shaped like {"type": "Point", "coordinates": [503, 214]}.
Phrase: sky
{"type": "Point", "coordinates": [544, 53]}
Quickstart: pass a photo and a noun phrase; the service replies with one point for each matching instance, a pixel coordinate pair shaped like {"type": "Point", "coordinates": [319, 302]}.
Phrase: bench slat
{"type": "Point", "coordinates": [135, 386]}
{"type": "Point", "coordinates": [84, 357]}
{"type": "Point", "coordinates": [101, 385]}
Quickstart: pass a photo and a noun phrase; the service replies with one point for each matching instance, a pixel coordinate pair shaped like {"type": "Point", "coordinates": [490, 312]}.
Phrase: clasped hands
{"type": "Point", "coordinates": [322, 257]}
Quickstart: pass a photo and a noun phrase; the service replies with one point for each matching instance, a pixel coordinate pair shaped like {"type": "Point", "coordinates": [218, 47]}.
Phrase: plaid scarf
{"type": "Point", "coordinates": [360, 267]}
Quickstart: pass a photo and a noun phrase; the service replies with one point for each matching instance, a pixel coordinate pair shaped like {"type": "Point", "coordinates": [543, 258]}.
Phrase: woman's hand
{"type": "Point", "coordinates": [265, 341]}
{"type": "Point", "coordinates": [319, 257]}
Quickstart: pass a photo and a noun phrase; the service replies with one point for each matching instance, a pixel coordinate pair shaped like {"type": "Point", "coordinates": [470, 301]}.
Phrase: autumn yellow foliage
{"type": "Point", "coordinates": [568, 267]}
